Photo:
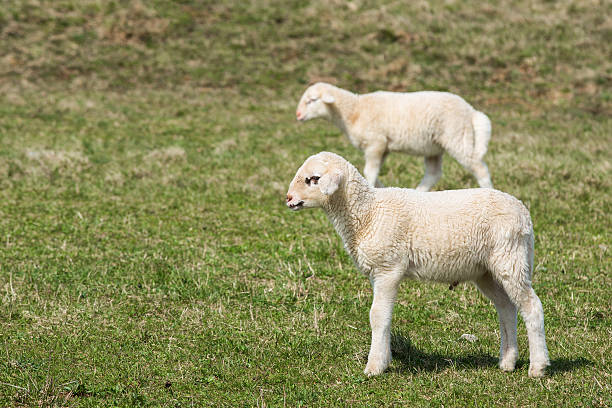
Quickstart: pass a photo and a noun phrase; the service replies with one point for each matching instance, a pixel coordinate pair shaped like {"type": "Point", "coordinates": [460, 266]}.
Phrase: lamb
{"type": "Point", "coordinates": [480, 235]}
{"type": "Point", "coordinates": [419, 123]}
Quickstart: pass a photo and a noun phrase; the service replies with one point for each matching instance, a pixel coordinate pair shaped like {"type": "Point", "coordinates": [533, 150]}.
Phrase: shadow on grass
{"type": "Point", "coordinates": [412, 359]}
{"type": "Point", "coordinates": [562, 365]}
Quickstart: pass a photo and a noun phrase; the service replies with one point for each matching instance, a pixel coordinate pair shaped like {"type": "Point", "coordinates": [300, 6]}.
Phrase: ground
{"type": "Point", "coordinates": [146, 254]}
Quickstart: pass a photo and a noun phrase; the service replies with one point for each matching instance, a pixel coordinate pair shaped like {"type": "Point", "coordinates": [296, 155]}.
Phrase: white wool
{"type": "Point", "coordinates": [419, 123]}
{"type": "Point", "coordinates": [479, 235]}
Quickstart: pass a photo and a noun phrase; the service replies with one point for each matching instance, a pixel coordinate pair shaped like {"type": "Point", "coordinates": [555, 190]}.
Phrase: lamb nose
{"type": "Point", "coordinates": [289, 198]}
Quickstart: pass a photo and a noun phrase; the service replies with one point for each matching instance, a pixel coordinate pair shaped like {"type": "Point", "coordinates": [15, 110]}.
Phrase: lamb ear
{"type": "Point", "coordinates": [329, 183]}
{"type": "Point", "coordinates": [327, 98]}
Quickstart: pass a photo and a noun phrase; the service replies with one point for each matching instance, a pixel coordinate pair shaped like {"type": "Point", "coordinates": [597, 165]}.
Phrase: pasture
{"type": "Point", "coordinates": [147, 257]}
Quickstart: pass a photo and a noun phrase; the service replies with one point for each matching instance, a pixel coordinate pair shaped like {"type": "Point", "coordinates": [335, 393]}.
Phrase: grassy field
{"type": "Point", "coordinates": [146, 254]}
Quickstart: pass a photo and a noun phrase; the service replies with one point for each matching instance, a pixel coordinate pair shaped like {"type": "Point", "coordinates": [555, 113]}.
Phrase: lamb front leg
{"type": "Point", "coordinates": [433, 172]}
{"type": "Point", "coordinates": [385, 290]}
{"type": "Point", "coordinates": [374, 158]}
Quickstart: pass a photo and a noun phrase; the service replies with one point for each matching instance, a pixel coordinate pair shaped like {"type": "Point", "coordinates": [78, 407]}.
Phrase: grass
{"type": "Point", "coordinates": [147, 259]}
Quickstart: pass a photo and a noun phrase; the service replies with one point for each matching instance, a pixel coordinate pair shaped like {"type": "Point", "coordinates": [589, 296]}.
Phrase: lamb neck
{"type": "Point", "coordinates": [343, 108]}
{"type": "Point", "coordinates": [350, 210]}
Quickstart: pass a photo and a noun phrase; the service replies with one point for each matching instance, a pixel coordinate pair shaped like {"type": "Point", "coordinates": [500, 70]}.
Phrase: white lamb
{"type": "Point", "coordinates": [479, 235]}
{"type": "Point", "coordinates": [418, 123]}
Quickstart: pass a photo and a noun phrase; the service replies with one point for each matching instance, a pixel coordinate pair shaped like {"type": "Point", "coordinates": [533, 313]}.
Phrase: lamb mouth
{"type": "Point", "coordinates": [297, 206]}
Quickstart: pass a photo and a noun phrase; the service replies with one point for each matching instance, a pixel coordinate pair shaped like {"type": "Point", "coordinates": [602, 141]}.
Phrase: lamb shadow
{"type": "Point", "coordinates": [411, 359]}
{"type": "Point", "coordinates": [414, 360]}
{"type": "Point", "coordinates": [562, 365]}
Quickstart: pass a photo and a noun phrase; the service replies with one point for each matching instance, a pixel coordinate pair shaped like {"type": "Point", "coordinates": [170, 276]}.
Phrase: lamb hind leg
{"type": "Point", "coordinates": [521, 293]}
{"type": "Point", "coordinates": [473, 164]}
{"type": "Point", "coordinates": [433, 172]}
{"type": "Point", "coordinates": [480, 170]}
{"type": "Point", "coordinates": [506, 310]}
{"type": "Point", "coordinates": [533, 315]}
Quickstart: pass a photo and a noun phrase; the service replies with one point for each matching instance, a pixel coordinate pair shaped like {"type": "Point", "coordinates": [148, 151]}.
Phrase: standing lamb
{"type": "Point", "coordinates": [479, 235]}
{"type": "Point", "coordinates": [418, 123]}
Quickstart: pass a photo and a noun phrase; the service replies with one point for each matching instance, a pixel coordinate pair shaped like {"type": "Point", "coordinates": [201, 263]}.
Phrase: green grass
{"type": "Point", "coordinates": [146, 254]}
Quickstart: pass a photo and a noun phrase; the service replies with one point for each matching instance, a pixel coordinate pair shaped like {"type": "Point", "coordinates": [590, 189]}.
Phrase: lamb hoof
{"type": "Point", "coordinates": [374, 369]}
{"type": "Point", "coordinates": [537, 370]}
{"type": "Point", "coordinates": [508, 362]}
{"type": "Point", "coordinates": [371, 372]}
{"type": "Point", "coordinates": [506, 366]}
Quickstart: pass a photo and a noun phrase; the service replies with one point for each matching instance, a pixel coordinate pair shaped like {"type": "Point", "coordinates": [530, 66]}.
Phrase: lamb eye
{"type": "Point", "coordinates": [315, 179]}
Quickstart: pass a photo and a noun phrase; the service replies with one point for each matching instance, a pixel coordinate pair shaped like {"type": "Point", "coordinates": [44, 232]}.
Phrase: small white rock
{"type": "Point", "coordinates": [469, 337]}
